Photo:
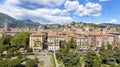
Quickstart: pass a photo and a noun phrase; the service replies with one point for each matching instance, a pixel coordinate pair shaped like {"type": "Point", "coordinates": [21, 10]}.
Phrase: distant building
{"type": "Point", "coordinates": [7, 26]}
{"type": "Point", "coordinates": [10, 33]}
{"type": "Point", "coordinates": [1, 34]}
{"type": "Point", "coordinates": [97, 40]}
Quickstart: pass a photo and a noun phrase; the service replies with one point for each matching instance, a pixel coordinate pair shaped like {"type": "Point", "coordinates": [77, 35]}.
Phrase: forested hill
{"type": "Point", "coordinates": [16, 23]}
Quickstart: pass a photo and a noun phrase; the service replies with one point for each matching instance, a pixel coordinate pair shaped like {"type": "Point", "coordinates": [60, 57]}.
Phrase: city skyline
{"type": "Point", "coordinates": [63, 11]}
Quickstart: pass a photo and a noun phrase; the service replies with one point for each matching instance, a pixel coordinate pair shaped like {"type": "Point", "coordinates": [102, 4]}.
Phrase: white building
{"type": "Point", "coordinates": [81, 42]}
{"type": "Point", "coordinates": [53, 42]}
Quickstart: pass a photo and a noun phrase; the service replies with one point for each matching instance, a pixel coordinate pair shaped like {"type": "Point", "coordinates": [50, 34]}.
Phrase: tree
{"type": "Point", "coordinates": [109, 47]}
{"type": "Point", "coordinates": [117, 55]}
{"type": "Point", "coordinates": [30, 63]}
{"type": "Point", "coordinates": [71, 60]}
{"type": "Point", "coordinates": [91, 59]}
{"type": "Point", "coordinates": [2, 39]}
{"type": "Point", "coordinates": [110, 59]}
{"type": "Point", "coordinates": [102, 53]}
{"type": "Point", "coordinates": [13, 49]}
{"type": "Point", "coordinates": [62, 44]}
{"type": "Point", "coordinates": [72, 43]}
{"type": "Point", "coordinates": [2, 48]}
{"type": "Point", "coordinates": [20, 40]}
{"type": "Point", "coordinates": [9, 55]}
{"type": "Point", "coordinates": [7, 39]}
{"type": "Point", "coordinates": [14, 62]}
{"type": "Point", "coordinates": [29, 50]}
{"type": "Point", "coordinates": [4, 63]}
{"type": "Point", "coordinates": [11, 52]}
{"type": "Point", "coordinates": [19, 54]}
{"type": "Point", "coordinates": [107, 55]}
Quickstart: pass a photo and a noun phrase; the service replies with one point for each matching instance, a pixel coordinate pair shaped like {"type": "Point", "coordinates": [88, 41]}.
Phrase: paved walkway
{"type": "Point", "coordinates": [46, 59]}
{"type": "Point", "coordinates": [55, 60]}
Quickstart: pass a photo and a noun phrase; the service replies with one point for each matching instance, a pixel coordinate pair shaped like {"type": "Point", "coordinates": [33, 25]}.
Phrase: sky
{"type": "Point", "coordinates": [63, 11]}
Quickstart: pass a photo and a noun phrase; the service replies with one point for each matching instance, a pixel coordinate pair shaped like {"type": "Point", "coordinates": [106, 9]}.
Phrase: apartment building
{"type": "Point", "coordinates": [82, 42]}
{"type": "Point", "coordinates": [97, 40]}
{"type": "Point", "coordinates": [36, 42]}
{"type": "Point", "coordinates": [53, 41]}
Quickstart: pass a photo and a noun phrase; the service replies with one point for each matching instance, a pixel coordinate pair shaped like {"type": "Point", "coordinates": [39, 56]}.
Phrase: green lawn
{"type": "Point", "coordinates": [106, 65]}
{"type": "Point", "coordinates": [41, 63]}
{"type": "Point", "coordinates": [52, 61]}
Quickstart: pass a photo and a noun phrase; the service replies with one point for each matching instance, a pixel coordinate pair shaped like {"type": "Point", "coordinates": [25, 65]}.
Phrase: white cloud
{"type": "Point", "coordinates": [51, 3]}
{"type": "Point", "coordinates": [113, 21]}
{"type": "Point", "coordinates": [89, 9]}
{"type": "Point", "coordinates": [104, 0]}
{"type": "Point", "coordinates": [50, 15]}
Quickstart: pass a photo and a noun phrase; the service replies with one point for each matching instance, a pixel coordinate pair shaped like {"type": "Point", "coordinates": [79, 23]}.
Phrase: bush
{"type": "Point", "coordinates": [19, 55]}
{"type": "Point", "coordinates": [3, 63]}
{"type": "Point", "coordinates": [30, 63]}
{"type": "Point", "coordinates": [9, 55]}
{"type": "Point", "coordinates": [29, 50]}
{"type": "Point", "coordinates": [14, 62]}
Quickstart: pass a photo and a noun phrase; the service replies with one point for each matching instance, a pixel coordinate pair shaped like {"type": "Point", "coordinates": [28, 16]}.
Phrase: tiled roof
{"type": "Point", "coordinates": [101, 35]}
{"type": "Point", "coordinates": [1, 31]}
{"type": "Point", "coordinates": [37, 34]}
{"type": "Point", "coordinates": [53, 35]}
{"type": "Point", "coordinates": [78, 37]}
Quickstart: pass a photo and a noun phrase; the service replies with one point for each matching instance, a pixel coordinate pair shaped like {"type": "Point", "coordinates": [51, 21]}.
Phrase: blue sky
{"type": "Point", "coordinates": [63, 11]}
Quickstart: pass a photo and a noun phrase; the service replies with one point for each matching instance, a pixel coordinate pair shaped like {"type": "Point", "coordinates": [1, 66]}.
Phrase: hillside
{"type": "Point", "coordinates": [16, 23]}
{"type": "Point", "coordinates": [110, 24]}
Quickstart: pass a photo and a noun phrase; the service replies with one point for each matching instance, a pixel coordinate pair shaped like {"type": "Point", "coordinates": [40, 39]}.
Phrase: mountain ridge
{"type": "Point", "coordinates": [16, 23]}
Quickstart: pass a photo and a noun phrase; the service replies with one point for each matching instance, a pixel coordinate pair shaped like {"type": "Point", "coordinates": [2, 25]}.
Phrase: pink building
{"type": "Point", "coordinates": [96, 40]}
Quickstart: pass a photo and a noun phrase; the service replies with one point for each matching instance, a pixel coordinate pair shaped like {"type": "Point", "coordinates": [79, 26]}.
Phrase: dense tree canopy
{"type": "Point", "coordinates": [4, 63]}
{"type": "Point", "coordinates": [91, 59]}
{"type": "Point", "coordinates": [72, 43]}
{"type": "Point", "coordinates": [2, 39]}
{"type": "Point", "coordinates": [20, 39]}
{"type": "Point", "coordinates": [14, 62]}
{"type": "Point", "coordinates": [30, 63]}
{"type": "Point", "coordinates": [2, 48]}
{"type": "Point", "coordinates": [71, 60]}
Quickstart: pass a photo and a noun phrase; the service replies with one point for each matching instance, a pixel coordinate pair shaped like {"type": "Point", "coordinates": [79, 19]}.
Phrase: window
{"type": "Point", "coordinates": [37, 42]}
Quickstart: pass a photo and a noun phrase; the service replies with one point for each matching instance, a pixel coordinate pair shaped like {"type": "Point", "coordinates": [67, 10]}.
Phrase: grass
{"type": "Point", "coordinates": [36, 54]}
{"type": "Point", "coordinates": [53, 61]}
{"type": "Point", "coordinates": [41, 63]}
{"type": "Point", "coordinates": [59, 61]}
{"type": "Point", "coordinates": [61, 66]}
{"type": "Point", "coordinates": [106, 65]}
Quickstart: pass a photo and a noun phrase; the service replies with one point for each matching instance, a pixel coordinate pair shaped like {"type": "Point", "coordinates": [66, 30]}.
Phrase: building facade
{"type": "Point", "coordinates": [97, 40]}
{"type": "Point", "coordinates": [82, 42]}
{"type": "Point", "coordinates": [36, 42]}
{"type": "Point", "coordinates": [53, 42]}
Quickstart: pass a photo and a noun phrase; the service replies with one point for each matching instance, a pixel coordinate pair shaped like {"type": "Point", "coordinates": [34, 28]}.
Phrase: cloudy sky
{"type": "Point", "coordinates": [63, 11]}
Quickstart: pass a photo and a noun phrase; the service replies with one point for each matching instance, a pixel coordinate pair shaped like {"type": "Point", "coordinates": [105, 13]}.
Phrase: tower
{"type": "Point", "coordinates": [7, 26]}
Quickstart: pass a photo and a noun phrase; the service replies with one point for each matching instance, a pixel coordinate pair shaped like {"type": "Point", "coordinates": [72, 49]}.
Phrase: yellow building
{"type": "Point", "coordinates": [36, 42]}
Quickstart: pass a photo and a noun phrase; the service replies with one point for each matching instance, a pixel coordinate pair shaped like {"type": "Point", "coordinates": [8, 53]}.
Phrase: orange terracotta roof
{"type": "Point", "coordinates": [37, 34]}
{"type": "Point", "coordinates": [78, 37]}
{"type": "Point", "coordinates": [2, 31]}
{"type": "Point", "coordinates": [53, 35]}
{"type": "Point", "coordinates": [75, 35]}
{"type": "Point", "coordinates": [101, 35]}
